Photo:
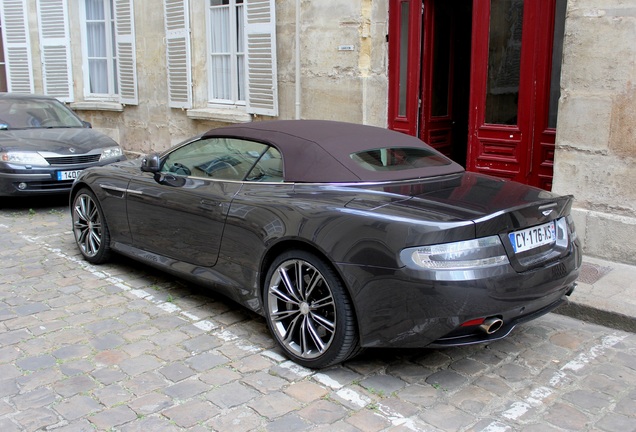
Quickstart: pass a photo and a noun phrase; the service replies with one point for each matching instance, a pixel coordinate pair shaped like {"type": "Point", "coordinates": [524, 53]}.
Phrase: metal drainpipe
{"type": "Point", "coordinates": [298, 60]}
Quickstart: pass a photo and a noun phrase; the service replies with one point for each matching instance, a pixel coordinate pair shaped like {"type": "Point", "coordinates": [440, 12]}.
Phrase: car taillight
{"type": "Point", "coordinates": [462, 255]}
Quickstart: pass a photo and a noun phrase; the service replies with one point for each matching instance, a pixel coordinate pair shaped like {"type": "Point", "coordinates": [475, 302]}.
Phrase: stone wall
{"type": "Point", "coordinates": [595, 158]}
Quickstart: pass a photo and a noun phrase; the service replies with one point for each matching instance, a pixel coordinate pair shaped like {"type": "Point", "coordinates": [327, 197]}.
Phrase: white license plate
{"type": "Point", "coordinates": [534, 237]}
{"type": "Point", "coordinates": [68, 175]}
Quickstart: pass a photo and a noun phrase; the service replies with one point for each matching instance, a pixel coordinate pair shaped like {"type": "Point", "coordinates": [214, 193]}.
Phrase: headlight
{"type": "Point", "coordinates": [23, 158]}
{"type": "Point", "coordinates": [110, 152]}
{"type": "Point", "coordinates": [463, 255]}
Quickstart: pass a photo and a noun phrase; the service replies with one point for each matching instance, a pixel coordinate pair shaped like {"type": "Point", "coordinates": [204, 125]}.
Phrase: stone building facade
{"type": "Point", "coordinates": [331, 61]}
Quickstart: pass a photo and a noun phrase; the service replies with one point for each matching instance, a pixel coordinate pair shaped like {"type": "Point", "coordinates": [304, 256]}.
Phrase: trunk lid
{"type": "Point", "coordinates": [498, 207]}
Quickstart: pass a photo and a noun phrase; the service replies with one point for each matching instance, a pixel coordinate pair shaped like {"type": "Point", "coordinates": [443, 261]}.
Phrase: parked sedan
{"type": "Point", "coordinates": [342, 236]}
{"type": "Point", "coordinates": [44, 146]}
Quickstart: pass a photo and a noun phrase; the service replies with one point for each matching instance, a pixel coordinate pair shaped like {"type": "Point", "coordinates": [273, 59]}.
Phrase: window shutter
{"type": "Point", "coordinates": [178, 53]}
{"type": "Point", "coordinates": [17, 46]}
{"type": "Point", "coordinates": [126, 58]}
{"type": "Point", "coordinates": [260, 53]}
{"type": "Point", "coordinates": [55, 49]}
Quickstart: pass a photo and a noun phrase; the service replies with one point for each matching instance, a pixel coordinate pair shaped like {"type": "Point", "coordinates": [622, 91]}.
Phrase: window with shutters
{"type": "Point", "coordinates": [242, 55]}
{"type": "Point", "coordinates": [109, 51]}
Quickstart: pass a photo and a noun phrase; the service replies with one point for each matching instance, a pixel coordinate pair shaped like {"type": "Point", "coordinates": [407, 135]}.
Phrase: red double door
{"type": "Point", "coordinates": [480, 81]}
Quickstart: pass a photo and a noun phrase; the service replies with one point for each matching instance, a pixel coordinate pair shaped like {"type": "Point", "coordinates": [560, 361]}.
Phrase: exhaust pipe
{"type": "Point", "coordinates": [491, 325]}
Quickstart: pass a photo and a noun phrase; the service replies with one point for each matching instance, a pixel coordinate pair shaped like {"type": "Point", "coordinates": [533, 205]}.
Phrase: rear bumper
{"type": "Point", "coordinates": [404, 309]}
{"type": "Point", "coordinates": [469, 336]}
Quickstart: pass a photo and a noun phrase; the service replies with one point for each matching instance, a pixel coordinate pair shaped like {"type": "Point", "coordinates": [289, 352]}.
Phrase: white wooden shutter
{"type": "Point", "coordinates": [177, 24]}
{"type": "Point", "coordinates": [126, 56]}
{"type": "Point", "coordinates": [260, 54]}
{"type": "Point", "coordinates": [55, 49]}
{"type": "Point", "coordinates": [17, 46]}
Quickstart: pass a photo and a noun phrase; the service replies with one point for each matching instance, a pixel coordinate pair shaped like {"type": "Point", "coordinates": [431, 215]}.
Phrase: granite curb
{"type": "Point", "coordinates": [605, 295]}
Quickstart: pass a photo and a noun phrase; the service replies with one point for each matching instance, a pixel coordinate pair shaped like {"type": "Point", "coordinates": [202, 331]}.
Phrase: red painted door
{"type": "Point", "coordinates": [514, 89]}
{"type": "Point", "coordinates": [404, 38]}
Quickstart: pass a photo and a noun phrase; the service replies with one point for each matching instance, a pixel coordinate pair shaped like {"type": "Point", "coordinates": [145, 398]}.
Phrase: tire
{"type": "Point", "coordinates": [89, 228]}
{"type": "Point", "coordinates": [311, 317]}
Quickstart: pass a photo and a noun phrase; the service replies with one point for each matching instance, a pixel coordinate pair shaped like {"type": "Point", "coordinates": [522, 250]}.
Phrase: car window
{"type": "Point", "coordinates": [221, 158]}
{"type": "Point", "coordinates": [33, 114]}
{"type": "Point", "coordinates": [397, 159]}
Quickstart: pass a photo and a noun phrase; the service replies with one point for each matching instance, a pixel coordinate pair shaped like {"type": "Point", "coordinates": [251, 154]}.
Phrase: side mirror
{"type": "Point", "coordinates": [151, 163]}
{"type": "Point", "coordinates": [86, 124]}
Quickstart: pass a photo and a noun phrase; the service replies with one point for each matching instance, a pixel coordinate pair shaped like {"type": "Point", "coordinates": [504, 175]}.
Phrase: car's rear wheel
{"type": "Point", "coordinates": [89, 227]}
{"type": "Point", "coordinates": [309, 311]}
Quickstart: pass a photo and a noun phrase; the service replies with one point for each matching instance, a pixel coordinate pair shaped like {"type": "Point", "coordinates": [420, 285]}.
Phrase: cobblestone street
{"type": "Point", "coordinates": [125, 347]}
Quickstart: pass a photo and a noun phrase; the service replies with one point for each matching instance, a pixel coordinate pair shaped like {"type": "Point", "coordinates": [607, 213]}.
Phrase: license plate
{"type": "Point", "coordinates": [534, 237]}
{"type": "Point", "coordinates": [68, 175]}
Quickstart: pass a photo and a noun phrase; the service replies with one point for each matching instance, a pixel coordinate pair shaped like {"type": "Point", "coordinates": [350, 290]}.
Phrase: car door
{"type": "Point", "coordinates": [180, 212]}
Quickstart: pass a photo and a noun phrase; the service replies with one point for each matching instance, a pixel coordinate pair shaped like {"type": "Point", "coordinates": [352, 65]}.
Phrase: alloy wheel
{"type": "Point", "coordinates": [302, 309]}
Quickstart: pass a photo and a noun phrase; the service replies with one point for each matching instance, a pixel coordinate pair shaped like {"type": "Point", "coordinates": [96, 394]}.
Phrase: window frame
{"type": "Point", "coordinates": [120, 49]}
{"type": "Point", "coordinates": [235, 51]}
{"type": "Point", "coordinates": [260, 66]}
{"type": "Point", "coordinates": [111, 53]}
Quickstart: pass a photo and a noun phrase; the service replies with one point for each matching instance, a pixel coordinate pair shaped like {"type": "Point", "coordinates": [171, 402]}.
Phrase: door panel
{"type": "Point", "coordinates": [405, 26]}
{"type": "Point", "coordinates": [185, 222]}
{"type": "Point", "coordinates": [510, 135]}
{"type": "Point", "coordinates": [497, 125]}
{"type": "Point", "coordinates": [445, 76]}
{"type": "Point", "coordinates": [437, 90]}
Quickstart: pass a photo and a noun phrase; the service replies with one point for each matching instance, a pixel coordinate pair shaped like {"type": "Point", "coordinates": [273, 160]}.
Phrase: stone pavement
{"type": "Point", "coordinates": [124, 347]}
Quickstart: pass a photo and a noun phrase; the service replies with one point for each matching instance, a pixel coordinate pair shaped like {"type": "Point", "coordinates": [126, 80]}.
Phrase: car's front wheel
{"type": "Point", "coordinates": [309, 311]}
{"type": "Point", "coordinates": [89, 227]}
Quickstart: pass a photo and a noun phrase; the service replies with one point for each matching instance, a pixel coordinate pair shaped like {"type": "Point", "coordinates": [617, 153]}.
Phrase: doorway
{"type": "Point", "coordinates": [446, 51]}
{"type": "Point", "coordinates": [480, 81]}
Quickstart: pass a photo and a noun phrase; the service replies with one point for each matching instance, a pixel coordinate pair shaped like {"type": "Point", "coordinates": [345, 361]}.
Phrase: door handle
{"type": "Point", "coordinates": [209, 204]}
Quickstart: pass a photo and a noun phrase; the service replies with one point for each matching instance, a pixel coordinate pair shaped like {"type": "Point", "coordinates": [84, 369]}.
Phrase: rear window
{"type": "Point", "coordinates": [398, 159]}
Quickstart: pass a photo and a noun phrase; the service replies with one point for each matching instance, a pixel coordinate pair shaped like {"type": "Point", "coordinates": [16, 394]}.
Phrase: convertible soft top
{"type": "Point", "coordinates": [320, 150]}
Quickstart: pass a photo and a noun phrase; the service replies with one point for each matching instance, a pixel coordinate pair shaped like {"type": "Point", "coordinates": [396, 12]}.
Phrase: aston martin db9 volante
{"type": "Point", "coordinates": [44, 146]}
{"type": "Point", "coordinates": [342, 236]}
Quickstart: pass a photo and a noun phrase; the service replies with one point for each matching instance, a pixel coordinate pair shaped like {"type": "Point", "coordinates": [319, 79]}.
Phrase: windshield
{"type": "Point", "coordinates": [35, 114]}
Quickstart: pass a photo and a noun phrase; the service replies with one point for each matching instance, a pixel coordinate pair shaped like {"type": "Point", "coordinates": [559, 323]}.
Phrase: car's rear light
{"type": "Point", "coordinates": [462, 255]}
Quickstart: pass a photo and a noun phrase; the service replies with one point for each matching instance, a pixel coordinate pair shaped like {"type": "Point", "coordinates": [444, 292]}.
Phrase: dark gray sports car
{"type": "Point", "coordinates": [343, 236]}
{"type": "Point", "coordinates": [44, 146]}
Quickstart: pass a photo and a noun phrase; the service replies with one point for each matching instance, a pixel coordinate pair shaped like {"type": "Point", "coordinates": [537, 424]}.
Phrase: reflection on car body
{"type": "Point", "coordinates": [343, 236]}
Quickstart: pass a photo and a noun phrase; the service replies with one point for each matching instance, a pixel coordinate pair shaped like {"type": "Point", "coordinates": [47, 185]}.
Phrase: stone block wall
{"type": "Point", "coordinates": [595, 157]}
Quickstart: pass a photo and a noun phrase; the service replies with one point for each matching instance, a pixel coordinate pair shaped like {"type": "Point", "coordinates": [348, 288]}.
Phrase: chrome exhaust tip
{"type": "Point", "coordinates": [491, 325]}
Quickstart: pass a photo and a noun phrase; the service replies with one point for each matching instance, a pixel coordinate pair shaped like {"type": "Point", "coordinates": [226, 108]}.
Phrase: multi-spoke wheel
{"type": "Point", "coordinates": [89, 228]}
{"type": "Point", "coordinates": [308, 310]}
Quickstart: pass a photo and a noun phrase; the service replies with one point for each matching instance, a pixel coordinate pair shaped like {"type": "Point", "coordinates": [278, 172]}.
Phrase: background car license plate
{"type": "Point", "coordinates": [68, 175]}
{"type": "Point", "coordinates": [534, 237]}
